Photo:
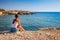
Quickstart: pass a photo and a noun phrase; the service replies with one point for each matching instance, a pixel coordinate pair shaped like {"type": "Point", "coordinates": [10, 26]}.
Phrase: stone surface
{"type": "Point", "coordinates": [32, 35]}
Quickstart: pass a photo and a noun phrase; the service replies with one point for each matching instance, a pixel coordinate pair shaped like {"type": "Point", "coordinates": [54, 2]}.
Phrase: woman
{"type": "Point", "coordinates": [16, 24]}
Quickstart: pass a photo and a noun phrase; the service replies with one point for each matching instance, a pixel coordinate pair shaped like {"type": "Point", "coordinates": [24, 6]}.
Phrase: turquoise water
{"type": "Point", "coordinates": [33, 21]}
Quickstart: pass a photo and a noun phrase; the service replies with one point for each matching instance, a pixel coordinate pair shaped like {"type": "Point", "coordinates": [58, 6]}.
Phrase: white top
{"type": "Point", "coordinates": [15, 25]}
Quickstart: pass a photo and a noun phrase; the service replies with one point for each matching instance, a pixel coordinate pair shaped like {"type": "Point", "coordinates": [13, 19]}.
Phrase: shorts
{"type": "Point", "coordinates": [13, 30]}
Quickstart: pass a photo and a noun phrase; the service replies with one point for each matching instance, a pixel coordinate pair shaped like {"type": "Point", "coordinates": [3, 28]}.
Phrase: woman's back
{"type": "Point", "coordinates": [15, 25]}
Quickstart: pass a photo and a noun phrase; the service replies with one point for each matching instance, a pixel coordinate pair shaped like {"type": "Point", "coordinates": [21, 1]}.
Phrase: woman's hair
{"type": "Point", "coordinates": [16, 15]}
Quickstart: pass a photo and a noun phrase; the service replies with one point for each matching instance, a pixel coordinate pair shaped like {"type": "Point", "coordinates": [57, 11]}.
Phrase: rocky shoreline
{"type": "Point", "coordinates": [13, 12]}
{"type": "Point", "coordinates": [42, 34]}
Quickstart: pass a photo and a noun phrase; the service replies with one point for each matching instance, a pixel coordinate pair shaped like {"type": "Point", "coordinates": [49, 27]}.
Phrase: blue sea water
{"type": "Point", "coordinates": [33, 21]}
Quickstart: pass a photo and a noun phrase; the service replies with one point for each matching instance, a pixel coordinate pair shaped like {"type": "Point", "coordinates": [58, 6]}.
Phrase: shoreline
{"type": "Point", "coordinates": [42, 34]}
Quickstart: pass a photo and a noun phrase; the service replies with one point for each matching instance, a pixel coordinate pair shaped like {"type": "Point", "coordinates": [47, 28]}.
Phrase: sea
{"type": "Point", "coordinates": [33, 21]}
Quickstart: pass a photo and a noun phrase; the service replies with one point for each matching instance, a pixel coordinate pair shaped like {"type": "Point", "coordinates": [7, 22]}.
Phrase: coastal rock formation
{"type": "Point", "coordinates": [24, 12]}
{"type": "Point", "coordinates": [1, 11]}
{"type": "Point", "coordinates": [13, 12]}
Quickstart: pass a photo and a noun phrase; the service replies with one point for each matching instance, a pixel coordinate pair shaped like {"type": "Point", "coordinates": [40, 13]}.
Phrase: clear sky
{"type": "Point", "coordinates": [31, 5]}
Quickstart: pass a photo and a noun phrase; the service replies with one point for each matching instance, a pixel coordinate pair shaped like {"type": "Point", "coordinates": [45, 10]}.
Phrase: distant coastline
{"type": "Point", "coordinates": [13, 12]}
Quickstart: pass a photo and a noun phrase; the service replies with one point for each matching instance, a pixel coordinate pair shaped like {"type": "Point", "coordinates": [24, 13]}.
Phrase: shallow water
{"type": "Point", "coordinates": [33, 21]}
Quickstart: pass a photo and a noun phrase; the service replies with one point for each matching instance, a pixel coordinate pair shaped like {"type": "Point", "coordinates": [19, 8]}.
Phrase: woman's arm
{"type": "Point", "coordinates": [19, 26]}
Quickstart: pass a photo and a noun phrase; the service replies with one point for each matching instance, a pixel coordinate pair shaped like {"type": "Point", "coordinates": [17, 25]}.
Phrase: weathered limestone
{"type": "Point", "coordinates": [0, 13]}
{"type": "Point", "coordinates": [13, 12]}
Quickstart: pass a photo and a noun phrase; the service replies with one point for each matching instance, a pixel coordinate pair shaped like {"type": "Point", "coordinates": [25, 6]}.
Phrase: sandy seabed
{"type": "Point", "coordinates": [42, 34]}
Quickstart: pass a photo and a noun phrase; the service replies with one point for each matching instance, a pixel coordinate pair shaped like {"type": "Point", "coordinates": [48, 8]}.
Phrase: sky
{"type": "Point", "coordinates": [31, 5]}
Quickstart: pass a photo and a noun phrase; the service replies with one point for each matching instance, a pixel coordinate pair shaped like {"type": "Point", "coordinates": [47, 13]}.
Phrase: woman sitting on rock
{"type": "Point", "coordinates": [16, 26]}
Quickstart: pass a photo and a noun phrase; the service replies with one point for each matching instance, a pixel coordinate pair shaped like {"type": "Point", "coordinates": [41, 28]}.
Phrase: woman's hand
{"type": "Point", "coordinates": [20, 28]}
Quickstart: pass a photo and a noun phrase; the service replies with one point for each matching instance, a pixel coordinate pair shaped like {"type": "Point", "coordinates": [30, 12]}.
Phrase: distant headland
{"type": "Point", "coordinates": [13, 12]}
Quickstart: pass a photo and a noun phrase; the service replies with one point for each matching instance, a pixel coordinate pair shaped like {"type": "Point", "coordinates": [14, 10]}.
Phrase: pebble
{"type": "Point", "coordinates": [29, 35]}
